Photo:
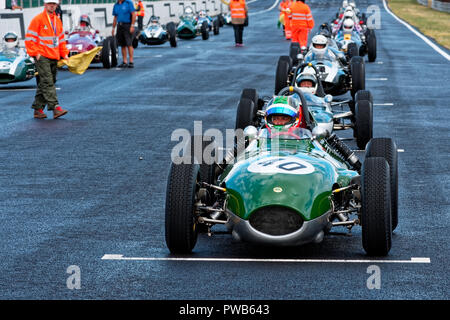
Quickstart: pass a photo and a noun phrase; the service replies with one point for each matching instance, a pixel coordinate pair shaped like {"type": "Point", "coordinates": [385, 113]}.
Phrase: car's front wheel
{"type": "Point", "coordinates": [376, 221]}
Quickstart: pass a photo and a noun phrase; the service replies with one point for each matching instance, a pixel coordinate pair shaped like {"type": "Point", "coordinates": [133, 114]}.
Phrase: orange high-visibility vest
{"type": "Point", "coordinates": [237, 8]}
{"type": "Point", "coordinates": [45, 36]}
{"type": "Point", "coordinates": [141, 12]}
{"type": "Point", "coordinates": [301, 15]}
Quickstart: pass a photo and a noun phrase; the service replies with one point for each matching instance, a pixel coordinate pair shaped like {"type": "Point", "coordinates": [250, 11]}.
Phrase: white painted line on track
{"type": "Point", "coordinates": [22, 89]}
{"type": "Point", "coordinates": [383, 104]}
{"type": "Point", "coordinates": [377, 79]}
{"type": "Point", "coordinates": [121, 257]}
{"type": "Point", "coordinates": [421, 36]}
{"type": "Point", "coordinates": [400, 150]}
{"type": "Point", "coordinates": [265, 10]}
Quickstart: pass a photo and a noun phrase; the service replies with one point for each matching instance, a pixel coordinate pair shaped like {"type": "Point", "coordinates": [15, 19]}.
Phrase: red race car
{"type": "Point", "coordinates": [84, 38]}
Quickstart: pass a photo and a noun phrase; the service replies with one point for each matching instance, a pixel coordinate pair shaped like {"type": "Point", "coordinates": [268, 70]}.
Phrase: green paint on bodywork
{"type": "Point", "coordinates": [307, 193]}
{"type": "Point", "coordinates": [24, 67]}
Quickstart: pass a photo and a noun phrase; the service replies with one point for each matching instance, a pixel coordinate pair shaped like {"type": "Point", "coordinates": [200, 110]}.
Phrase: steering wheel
{"type": "Point", "coordinates": [288, 91]}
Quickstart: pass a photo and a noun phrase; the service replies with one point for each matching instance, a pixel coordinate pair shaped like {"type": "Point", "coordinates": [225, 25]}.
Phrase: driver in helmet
{"type": "Point", "coordinates": [84, 24]}
{"type": "Point", "coordinates": [188, 13]}
{"type": "Point", "coordinates": [11, 41]}
{"type": "Point", "coordinates": [154, 21]}
{"type": "Point", "coordinates": [202, 14]}
{"type": "Point", "coordinates": [307, 82]}
{"type": "Point", "coordinates": [320, 51]}
{"type": "Point", "coordinates": [284, 117]}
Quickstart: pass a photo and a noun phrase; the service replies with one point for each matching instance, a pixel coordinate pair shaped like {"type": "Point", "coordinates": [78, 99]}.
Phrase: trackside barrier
{"type": "Point", "coordinates": [443, 5]}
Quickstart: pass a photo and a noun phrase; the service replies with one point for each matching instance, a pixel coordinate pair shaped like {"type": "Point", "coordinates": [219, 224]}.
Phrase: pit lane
{"type": "Point", "coordinates": [74, 190]}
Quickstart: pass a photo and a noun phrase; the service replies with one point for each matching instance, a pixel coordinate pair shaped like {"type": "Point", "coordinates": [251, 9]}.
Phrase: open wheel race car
{"type": "Point", "coordinates": [191, 26]}
{"type": "Point", "coordinates": [331, 115]}
{"type": "Point", "coordinates": [337, 78]}
{"type": "Point", "coordinates": [83, 38]}
{"type": "Point", "coordinates": [156, 34]}
{"type": "Point", "coordinates": [283, 188]}
{"type": "Point", "coordinates": [15, 64]}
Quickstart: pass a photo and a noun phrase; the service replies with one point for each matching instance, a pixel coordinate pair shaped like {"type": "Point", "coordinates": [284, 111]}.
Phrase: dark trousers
{"type": "Point", "coordinates": [238, 32]}
{"type": "Point", "coordinates": [46, 90]}
{"type": "Point", "coordinates": [140, 21]}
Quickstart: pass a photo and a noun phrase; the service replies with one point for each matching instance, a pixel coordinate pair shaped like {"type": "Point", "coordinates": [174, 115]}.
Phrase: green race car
{"type": "Point", "coordinates": [15, 66]}
{"type": "Point", "coordinates": [284, 184]}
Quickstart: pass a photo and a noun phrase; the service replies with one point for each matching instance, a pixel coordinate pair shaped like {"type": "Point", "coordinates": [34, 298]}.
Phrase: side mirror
{"type": "Point", "coordinates": [328, 98]}
{"type": "Point", "coordinates": [250, 132]}
{"type": "Point", "coordinates": [319, 132]}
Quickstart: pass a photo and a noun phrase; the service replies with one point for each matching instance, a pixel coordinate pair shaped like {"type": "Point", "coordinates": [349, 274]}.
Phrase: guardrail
{"type": "Point", "coordinates": [101, 13]}
{"type": "Point", "coordinates": [440, 5]}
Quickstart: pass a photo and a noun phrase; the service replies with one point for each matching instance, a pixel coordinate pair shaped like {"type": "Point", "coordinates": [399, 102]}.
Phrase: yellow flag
{"type": "Point", "coordinates": [80, 62]}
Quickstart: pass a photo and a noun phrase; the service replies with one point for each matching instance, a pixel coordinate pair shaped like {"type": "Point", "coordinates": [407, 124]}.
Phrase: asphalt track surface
{"type": "Point", "coordinates": [74, 190]}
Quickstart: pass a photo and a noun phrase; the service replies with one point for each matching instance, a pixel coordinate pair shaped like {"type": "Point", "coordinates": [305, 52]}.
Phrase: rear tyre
{"type": "Point", "coordinates": [106, 54]}
{"type": "Point", "coordinates": [180, 222]}
{"type": "Point", "coordinates": [371, 46]}
{"type": "Point", "coordinates": [386, 148]}
{"type": "Point", "coordinates": [363, 123]}
{"type": "Point", "coordinates": [352, 50]}
{"type": "Point", "coordinates": [114, 51]}
{"type": "Point", "coordinates": [204, 30]}
{"type": "Point", "coordinates": [172, 32]}
{"type": "Point", "coordinates": [364, 95]}
{"type": "Point", "coordinates": [358, 73]}
{"type": "Point", "coordinates": [246, 113]}
{"type": "Point", "coordinates": [294, 50]}
{"type": "Point", "coordinates": [216, 27]}
{"type": "Point", "coordinates": [282, 74]}
{"type": "Point", "coordinates": [376, 207]}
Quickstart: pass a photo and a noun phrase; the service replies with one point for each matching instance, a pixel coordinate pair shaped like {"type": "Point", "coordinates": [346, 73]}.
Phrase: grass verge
{"type": "Point", "coordinates": [432, 23]}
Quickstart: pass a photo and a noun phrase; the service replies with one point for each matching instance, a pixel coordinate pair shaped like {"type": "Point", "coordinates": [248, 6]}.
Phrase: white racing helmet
{"type": "Point", "coordinates": [202, 14]}
{"type": "Point", "coordinates": [348, 25]}
{"type": "Point", "coordinates": [349, 14]}
{"type": "Point", "coordinates": [188, 12]}
{"type": "Point", "coordinates": [353, 4]}
{"type": "Point", "coordinates": [11, 40]}
{"type": "Point", "coordinates": [344, 4]}
{"type": "Point", "coordinates": [307, 81]}
{"type": "Point", "coordinates": [319, 45]}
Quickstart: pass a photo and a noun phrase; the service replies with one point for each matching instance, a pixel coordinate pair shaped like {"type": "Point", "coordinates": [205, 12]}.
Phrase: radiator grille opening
{"type": "Point", "coordinates": [275, 220]}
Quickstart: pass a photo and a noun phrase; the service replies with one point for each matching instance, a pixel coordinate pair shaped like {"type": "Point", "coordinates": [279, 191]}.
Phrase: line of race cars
{"type": "Point", "coordinates": [289, 178]}
{"type": "Point", "coordinates": [17, 66]}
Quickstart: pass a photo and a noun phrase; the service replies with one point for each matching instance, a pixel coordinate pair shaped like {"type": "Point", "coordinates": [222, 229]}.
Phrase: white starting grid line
{"type": "Point", "coordinates": [21, 89]}
{"type": "Point", "coordinates": [120, 257]}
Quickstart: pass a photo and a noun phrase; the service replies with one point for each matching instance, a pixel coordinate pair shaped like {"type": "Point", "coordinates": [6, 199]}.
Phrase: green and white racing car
{"type": "Point", "coordinates": [287, 182]}
{"type": "Point", "coordinates": [15, 64]}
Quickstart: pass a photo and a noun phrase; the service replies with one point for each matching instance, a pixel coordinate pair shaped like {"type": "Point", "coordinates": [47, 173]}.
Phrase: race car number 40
{"type": "Point", "coordinates": [287, 165]}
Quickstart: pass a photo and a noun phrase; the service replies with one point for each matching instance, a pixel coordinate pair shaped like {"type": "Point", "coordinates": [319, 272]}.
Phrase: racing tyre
{"type": "Point", "coordinates": [386, 148]}
{"type": "Point", "coordinates": [221, 20]}
{"type": "Point", "coordinates": [294, 50]}
{"type": "Point", "coordinates": [114, 51]}
{"type": "Point", "coordinates": [352, 50]}
{"type": "Point", "coordinates": [135, 42]}
{"type": "Point", "coordinates": [180, 222]}
{"type": "Point", "coordinates": [204, 30]}
{"type": "Point", "coordinates": [363, 123]}
{"type": "Point", "coordinates": [364, 95]}
{"type": "Point", "coordinates": [216, 27]}
{"type": "Point", "coordinates": [371, 46]}
{"type": "Point", "coordinates": [246, 113]}
{"type": "Point", "coordinates": [252, 94]}
{"type": "Point", "coordinates": [106, 54]}
{"type": "Point", "coordinates": [376, 207]}
{"type": "Point", "coordinates": [358, 73]}
{"type": "Point", "coordinates": [282, 74]}
{"type": "Point", "coordinates": [172, 31]}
